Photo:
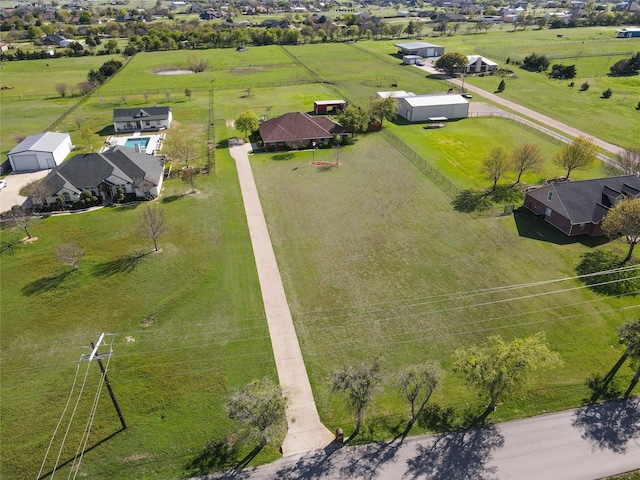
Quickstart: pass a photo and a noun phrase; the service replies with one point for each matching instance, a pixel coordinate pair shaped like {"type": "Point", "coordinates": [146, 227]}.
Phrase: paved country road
{"type": "Point", "coordinates": [583, 444]}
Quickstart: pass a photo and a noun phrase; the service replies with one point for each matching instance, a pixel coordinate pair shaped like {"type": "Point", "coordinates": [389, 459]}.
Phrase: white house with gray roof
{"type": "Point", "coordinates": [40, 152]}
{"type": "Point", "coordinates": [103, 174]}
{"type": "Point", "coordinates": [147, 119]}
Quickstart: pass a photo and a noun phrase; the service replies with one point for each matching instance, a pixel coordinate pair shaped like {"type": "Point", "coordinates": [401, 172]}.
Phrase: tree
{"type": "Point", "coordinates": [417, 383]}
{"type": "Point", "coordinates": [258, 407]}
{"type": "Point", "coordinates": [450, 62]}
{"type": "Point", "coordinates": [189, 176]}
{"type": "Point", "coordinates": [607, 93]}
{"type": "Point", "coordinates": [495, 164]}
{"type": "Point", "coordinates": [384, 108]}
{"type": "Point", "coordinates": [86, 134]}
{"type": "Point", "coordinates": [629, 333]}
{"type": "Point", "coordinates": [182, 150]}
{"type": "Point", "coordinates": [354, 119]}
{"type": "Point", "coordinates": [577, 155]}
{"type": "Point", "coordinates": [62, 89]}
{"type": "Point", "coordinates": [197, 64]}
{"type": "Point", "coordinates": [358, 384]}
{"type": "Point", "coordinates": [247, 121]}
{"type": "Point", "coordinates": [70, 254]}
{"type": "Point", "coordinates": [501, 368]}
{"type": "Point", "coordinates": [151, 224]}
{"type": "Point", "coordinates": [524, 158]}
{"type": "Point", "coordinates": [187, 93]}
{"type": "Point", "coordinates": [629, 160]}
{"type": "Point", "coordinates": [501, 86]}
{"type": "Point", "coordinates": [20, 218]}
{"type": "Point", "coordinates": [535, 63]}
{"type": "Point", "coordinates": [623, 220]}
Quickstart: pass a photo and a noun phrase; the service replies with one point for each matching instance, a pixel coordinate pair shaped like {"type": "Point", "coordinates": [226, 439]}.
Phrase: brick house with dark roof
{"type": "Point", "coordinates": [103, 173]}
{"type": "Point", "coordinates": [299, 128]}
{"type": "Point", "coordinates": [578, 207]}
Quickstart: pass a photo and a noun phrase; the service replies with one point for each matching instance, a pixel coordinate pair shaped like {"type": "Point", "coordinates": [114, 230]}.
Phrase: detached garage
{"type": "Point", "coordinates": [421, 49]}
{"type": "Point", "coordinates": [40, 152]}
{"type": "Point", "coordinates": [421, 108]}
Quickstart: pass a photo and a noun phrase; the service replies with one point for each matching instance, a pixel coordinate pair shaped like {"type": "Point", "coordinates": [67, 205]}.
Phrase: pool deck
{"type": "Point", "coordinates": [153, 147]}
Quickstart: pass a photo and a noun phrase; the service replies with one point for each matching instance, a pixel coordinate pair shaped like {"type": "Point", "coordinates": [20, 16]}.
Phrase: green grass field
{"type": "Point", "coordinates": [368, 252]}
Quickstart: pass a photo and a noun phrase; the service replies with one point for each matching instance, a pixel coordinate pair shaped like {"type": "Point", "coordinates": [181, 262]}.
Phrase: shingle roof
{"type": "Point", "coordinates": [88, 170]}
{"type": "Point", "coordinates": [147, 113]}
{"type": "Point", "coordinates": [298, 126]}
{"type": "Point", "coordinates": [587, 201]}
{"type": "Point", "coordinates": [41, 142]}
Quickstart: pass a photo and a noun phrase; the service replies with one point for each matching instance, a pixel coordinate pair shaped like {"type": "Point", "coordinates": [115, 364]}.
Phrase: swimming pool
{"type": "Point", "coordinates": [142, 141]}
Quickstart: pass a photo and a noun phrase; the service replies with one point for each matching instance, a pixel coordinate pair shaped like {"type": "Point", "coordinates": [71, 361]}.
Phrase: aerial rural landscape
{"type": "Point", "coordinates": [267, 228]}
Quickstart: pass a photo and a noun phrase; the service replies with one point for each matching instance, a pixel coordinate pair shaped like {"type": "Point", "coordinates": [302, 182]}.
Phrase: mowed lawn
{"type": "Point", "coordinates": [376, 263]}
{"type": "Point", "coordinates": [189, 328]}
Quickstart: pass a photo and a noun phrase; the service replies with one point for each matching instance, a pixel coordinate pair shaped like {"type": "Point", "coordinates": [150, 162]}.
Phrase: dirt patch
{"type": "Point", "coordinates": [171, 71]}
{"type": "Point", "coordinates": [324, 164]}
{"type": "Point", "coordinates": [251, 68]}
{"type": "Point", "coordinates": [147, 322]}
{"type": "Point", "coordinates": [136, 457]}
{"type": "Point", "coordinates": [230, 123]}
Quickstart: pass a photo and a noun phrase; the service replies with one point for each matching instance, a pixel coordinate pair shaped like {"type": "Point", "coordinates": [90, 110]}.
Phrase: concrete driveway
{"type": "Point", "coordinates": [10, 195]}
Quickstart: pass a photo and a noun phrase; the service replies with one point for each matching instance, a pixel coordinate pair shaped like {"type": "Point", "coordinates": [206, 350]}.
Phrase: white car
{"type": "Point", "coordinates": [2, 184]}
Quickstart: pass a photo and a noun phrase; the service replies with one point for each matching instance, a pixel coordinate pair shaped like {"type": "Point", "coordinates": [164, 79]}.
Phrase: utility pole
{"type": "Point", "coordinates": [95, 356]}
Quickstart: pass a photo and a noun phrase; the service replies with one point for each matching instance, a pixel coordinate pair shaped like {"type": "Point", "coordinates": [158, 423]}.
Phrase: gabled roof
{"type": "Point", "coordinates": [415, 45]}
{"type": "Point", "coordinates": [434, 100]}
{"type": "Point", "coordinates": [147, 113]}
{"type": "Point", "coordinates": [298, 126]}
{"type": "Point", "coordinates": [474, 58]}
{"type": "Point", "coordinates": [588, 201]}
{"type": "Point", "coordinates": [88, 170]}
{"type": "Point", "coordinates": [41, 142]}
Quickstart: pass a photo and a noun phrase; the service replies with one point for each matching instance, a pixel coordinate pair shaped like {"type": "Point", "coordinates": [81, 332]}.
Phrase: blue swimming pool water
{"type": "Point", "coordinates": [132, 142]}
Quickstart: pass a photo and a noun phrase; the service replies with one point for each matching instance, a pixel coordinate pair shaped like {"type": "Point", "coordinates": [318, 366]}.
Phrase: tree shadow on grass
{"type": "Point", "coordinates": [609, 426]}
{"type": "Point", "coordinates": [9, 248]}
{"type": "Point", "coordinates": [237, 468]}
{"type": "Point", "coordinates": [282, 156]}
{"type": "Point", "coordinates": [606, 388]}
{"type": "Point", "coordinates": [462, 455]}
{"type": "Point", "coordinates": [216, 455]}
{"type": "Point", "coordinates": [45, 284]}
{"type": "Point", "coordinates": [172, 198]}
{"type": "Point", "coordinates": [124, 264]}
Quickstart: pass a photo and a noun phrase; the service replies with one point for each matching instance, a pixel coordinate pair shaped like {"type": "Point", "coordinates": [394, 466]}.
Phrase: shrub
{"type": "Point", "coordinates": [607, 93]}
{"type": "Point", "coordinates": [602, 261]}
{"type": "Point", "coordinates": [584, 87]}
{"type": "Point", "coordinates": [562, 72]}
{"type": "Point", "coordinates": [535, 63]}
{"type": "Point", "coordinates": [501, 86]}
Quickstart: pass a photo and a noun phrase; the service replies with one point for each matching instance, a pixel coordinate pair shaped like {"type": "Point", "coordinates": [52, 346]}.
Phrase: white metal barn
{"type": "Point", "coordinates": [40, 152]}
{"type": "Point", "coordinates": [421, 49]}
{"type": "Point", "coordinates": [420, 108]}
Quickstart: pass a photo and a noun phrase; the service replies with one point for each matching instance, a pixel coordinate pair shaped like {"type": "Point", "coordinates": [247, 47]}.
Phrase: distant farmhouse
{"type": "Point", "coordinates": [422, 108]}
{"type": "Point", "coordinates": [103, 174]}
{"type": "Point", "coordinates": [479, 64]}
{"type": "Point", "coordinates": [578, 207]}
{"type": "Point", "coordinates": [422, 49]}
{"type": "Point", "coordinates": [298, 127]}
{"type": "Point", "coordinates": [40, 151]}
{"type": "Point", "coordinates": [147, 119]}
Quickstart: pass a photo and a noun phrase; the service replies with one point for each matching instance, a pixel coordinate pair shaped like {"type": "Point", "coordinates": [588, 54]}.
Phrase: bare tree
{"type": "Point", "coordinates": [417, 383]}
{"type": "Point", "coordinates": [524, 158]}
{"type": "Point", "coordinates": [70, 254]}
{"type": "Point", "coordinates": [151, 223]}
{"type": "Point", "coordinates": [84, 87]}
{"type": "Point", "coordinates": [189, 176]}
{"type": "Point", "coordinates": [182, 151]}
{"type": "Point", "coordinates": [145, 95]}
{"type": "Point", "coordinates": [629, 160]}
{"type": "Point", "coordinates": [197, 64]}
{"type": "Point", "coordinates": [62, 89]}
{"type": "Point", "coordinates": [20, 218]}
{"type": "Point", "coordinates": [37, 192]}
{"type": "Point", "coordinates": [495, 164]}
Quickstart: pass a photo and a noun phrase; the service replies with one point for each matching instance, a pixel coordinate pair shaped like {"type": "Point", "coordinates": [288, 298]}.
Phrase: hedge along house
{"type": "Point", "coordinates": [146, 119]}
{"type": "Point", "coordinates": [40, 152]}
{"type": "Point", "coordinates": [298, 130]}
{"type": "Point", "coordinates": [578, 207]}
{"type": "Point", "coordinates": [103, 174]}
{"type": "Point", "coordinates": [421, 108]}
{"type": "Point", "coordinates": [421, 49]}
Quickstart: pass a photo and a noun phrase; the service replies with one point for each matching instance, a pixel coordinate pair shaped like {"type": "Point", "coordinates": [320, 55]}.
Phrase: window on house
{"type": "Point", "coordinates": [549, 196]}
{"type": "Point", "coordinates": [581, 227]}
{"type": "Point", "coordinates": [547, 212]}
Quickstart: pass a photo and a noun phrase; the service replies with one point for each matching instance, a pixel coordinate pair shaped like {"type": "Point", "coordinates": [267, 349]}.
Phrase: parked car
{"type": "Point", "coordinates": [467, 95]}
{"type": "Point", "coordinates": [2, 184]}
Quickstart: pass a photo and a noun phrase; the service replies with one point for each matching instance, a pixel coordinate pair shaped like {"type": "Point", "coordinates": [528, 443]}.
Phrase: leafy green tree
{"type": "Point", "coordinates": [577, 155]}
{"type": "Point", "coordinates": [450, 62]}
{"type": "Point", "coordinates": [623, 220]}
{"type": "Point", "coordinates": [495, 164]}
{"type": "Point", "coordinates": [259, 407]}
{"type": "Point", "coordinates": [384, 109]}
{"type": "Point", "coordinates": [354, 119]}
{"type": "Point", "coordinates": [358, 384]}
{"type": "Point", "coordinates": [417, 383]}
{"type": "Point", "coordinates": [535, 63]}
{"type": "Point", "coordinates": [524, 158]}
{"type": "Point", "coordinates": [500, 368]}
{"type": "Point", "coordinates": [247, 121]}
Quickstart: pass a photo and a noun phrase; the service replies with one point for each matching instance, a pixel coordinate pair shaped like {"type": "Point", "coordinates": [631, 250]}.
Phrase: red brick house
{"type": "Point", "coordinates": [577, 208]}
{"type": "Point", "coordinates": [298, 129]}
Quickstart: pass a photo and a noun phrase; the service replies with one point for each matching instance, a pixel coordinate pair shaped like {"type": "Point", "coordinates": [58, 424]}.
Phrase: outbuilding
{"type": "Point", "coordinates": [40, 152]}
{"type": "Point", "coordinates": [412, 60]}
{"type": "Point", "coordinates": [628, 32]}
{"type": "Point", "coordinates": [421, 49]}
{"type": "Point", "coordinates": [322, 107]}
{"type": "Point", "coordinates": [422, 108]}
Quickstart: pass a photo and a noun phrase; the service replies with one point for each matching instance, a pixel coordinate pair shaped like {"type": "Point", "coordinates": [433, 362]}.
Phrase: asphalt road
{"type": "Point", "coordinates": [584, 444]}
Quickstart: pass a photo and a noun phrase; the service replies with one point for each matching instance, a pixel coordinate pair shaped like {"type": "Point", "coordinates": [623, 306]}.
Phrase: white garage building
{"type": "Point", "coordinates": [40, 152]}
{"type": "Point", "coordinates": [421, 108]}
{"type": "Point", "coordinates": [422, 49]}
